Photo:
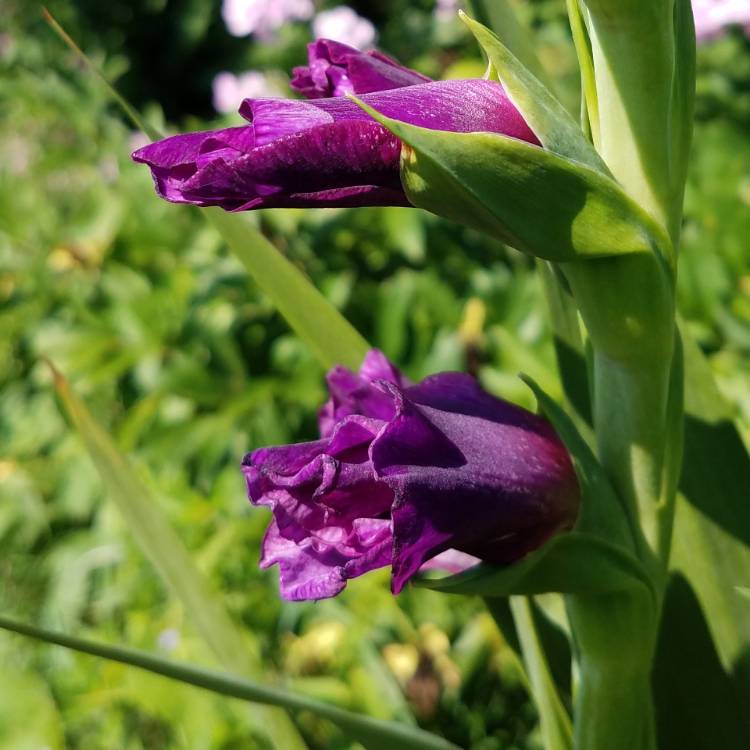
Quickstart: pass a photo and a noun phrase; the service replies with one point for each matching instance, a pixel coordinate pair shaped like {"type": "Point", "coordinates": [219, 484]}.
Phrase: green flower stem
{"type": "Point", "coordinates": [627, 304]}
{"type": "Point", "coordinates": [614, 709]}
{"type": "Point", "coordinates": [615, 638]}
{"type": "Point", "coordinates": [628, 307]}
{"type": "Point", "coordinates": [630, 415]}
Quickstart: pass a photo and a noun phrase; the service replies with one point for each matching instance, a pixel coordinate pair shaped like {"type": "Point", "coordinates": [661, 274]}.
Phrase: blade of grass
{"type": "Point", "coordinates": [163, 547]}
{"type": "Point", "coordinates": [374, 734]}
{"type": "Point", "coordinates": [312, 317]}
{"type": "Point", "coordinates": [556, 726]}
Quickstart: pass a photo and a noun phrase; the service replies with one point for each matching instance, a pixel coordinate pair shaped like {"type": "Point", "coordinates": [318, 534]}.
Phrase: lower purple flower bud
{"type": "Point", "coordinates": [404, 474]}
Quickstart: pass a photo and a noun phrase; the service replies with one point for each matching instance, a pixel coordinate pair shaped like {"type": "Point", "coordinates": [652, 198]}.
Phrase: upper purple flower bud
{"type": "Point", "coordinates": [336, 69]}
{"type": "Point", "coordinates": [325, 152]}
{"type": "Point", "coordinates": [404, 473]}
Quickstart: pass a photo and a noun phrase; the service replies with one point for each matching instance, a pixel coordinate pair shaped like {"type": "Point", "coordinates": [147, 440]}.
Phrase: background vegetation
{"type": "Point", "coordinates": [180, 358]}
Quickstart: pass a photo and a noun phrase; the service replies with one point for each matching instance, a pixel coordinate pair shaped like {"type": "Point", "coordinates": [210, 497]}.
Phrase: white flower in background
{"type": "Point", "coordinates": [230, 89]}
{"type": "Point", "coordinates": [446, 10]}
{"type": "Point", "coordinates": [713, 16]}
{"type": "Point", "coordinates": [263, 17]}
{"type": "Point", "coordinates": [343, 25]}
{"type": "Point", "coordinates": [169, 639]}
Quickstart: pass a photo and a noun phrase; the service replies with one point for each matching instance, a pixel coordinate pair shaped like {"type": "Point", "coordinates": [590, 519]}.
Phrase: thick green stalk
{"type": "Point", "coordinates": [631, 424]}
{"type": "Point", "coordinates": [614, 709]}
{"type": "Point", "coordinates": [615, 637]}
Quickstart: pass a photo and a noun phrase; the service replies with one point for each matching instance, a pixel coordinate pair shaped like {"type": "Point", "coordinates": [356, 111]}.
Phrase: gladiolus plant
{"type": "Point", "coordinates": [588, 503]}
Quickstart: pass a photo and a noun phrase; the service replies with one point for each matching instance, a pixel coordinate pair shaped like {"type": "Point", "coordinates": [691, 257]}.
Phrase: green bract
{"type": "Point", "coordinates": [501, 186]}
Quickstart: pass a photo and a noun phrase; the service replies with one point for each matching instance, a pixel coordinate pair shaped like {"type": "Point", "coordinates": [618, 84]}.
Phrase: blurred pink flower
{"type": "Point", "coordinates": [446, 10]}
{"type": "Point", "coordinates": [713, 16]}
{"type": "Point", "coordinates": [263, 17]}
{"type": "Point", "coordinates": [342, 24]}
{"type": "Point", "coordinates": [230, 89]}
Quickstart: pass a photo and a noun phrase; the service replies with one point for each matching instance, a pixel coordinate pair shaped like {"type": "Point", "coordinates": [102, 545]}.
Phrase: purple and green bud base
{"type": "Point", "coordinates": [327, 151]}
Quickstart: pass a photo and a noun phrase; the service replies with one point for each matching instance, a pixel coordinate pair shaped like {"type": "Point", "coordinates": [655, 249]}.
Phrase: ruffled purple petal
{"type": "Point", "coordinates": [331, 516]}
{"type": "Point", "coordinates": [304, 572]}
{"type": "Point", "coordinates": [358, 394]}
{"type": "Point", "coordinates": [335, 69]}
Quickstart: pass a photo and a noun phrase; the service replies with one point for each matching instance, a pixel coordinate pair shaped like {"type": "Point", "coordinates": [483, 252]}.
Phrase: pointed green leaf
{"type": "Point", "coordinates": [374, 734]}
{"type": "Point", "coordinates": [497, 185]}
{"type": "Point", "coordinates": [582, 42]}
{"type": "Point", "coordinates": [683, 99]}
{"type": "Point", "coordinates": [550, 121]}
{"type": "Point", "coordinates": [159, 542]}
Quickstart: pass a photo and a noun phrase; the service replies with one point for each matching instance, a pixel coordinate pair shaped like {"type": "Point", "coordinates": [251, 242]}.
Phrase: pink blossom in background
{"type": "Point", "coordinates": [229, 89]}
{"type": "Point", "coordinates": [446, 10]}
{"type": "Point", "coordinates": [263, 17]}
{"type": "Point", "coordinates": [713, 16]}
{"type": "Point", "coordinates": [342, 24]}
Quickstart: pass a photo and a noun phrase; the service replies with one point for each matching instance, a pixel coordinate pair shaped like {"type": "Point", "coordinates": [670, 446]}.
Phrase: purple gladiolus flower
{"type": "Point", "coordinates": [403, 473]}
{"type": "Point", "coordinates": [327, 151]}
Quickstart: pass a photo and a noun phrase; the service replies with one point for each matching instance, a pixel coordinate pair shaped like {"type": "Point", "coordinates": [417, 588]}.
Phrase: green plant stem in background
{"type": "Point", "coordinates": [556, 727]}
{"type": "Point", "coordinates": [374, 734]}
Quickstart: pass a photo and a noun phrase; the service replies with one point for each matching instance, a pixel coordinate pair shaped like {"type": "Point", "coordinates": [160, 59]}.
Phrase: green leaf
{"type": "Point", "coordinates": [705, 638]}
{"type": "Point", "coordinates": [160, 543]}
{"type": "Point", "coordinates": [374, 734]}
{"type": "Point", "coordinates": [697, 706]}
{"type": "Point", "coordinates": [556, 726]}
{"type": "Point", "coordinates": [634, 60]}
{"type": "Point", "coordinates": [498, 184]}
{"type": "Point", "coordinates": [582, 42]}
{"type": "Point", "coordinates": [550, 121]}
{"type": "Point", "coordinates": [683, 99]}
{"type": "Point", "coordinates": [312, 317]}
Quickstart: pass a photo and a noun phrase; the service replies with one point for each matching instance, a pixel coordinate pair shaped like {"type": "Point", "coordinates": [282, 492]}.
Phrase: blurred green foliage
{"type": "Point", "coordinates": [160, 331]}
